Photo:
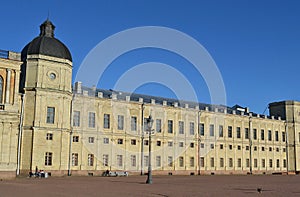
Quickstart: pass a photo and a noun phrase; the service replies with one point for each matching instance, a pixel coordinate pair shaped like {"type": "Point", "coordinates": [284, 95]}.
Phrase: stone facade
{"type": "Point", "coordinates": [45, 124]}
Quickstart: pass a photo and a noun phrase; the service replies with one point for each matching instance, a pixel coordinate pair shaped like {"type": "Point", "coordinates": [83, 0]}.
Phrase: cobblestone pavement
{"type": "Point", "coordinates": [272, 185]}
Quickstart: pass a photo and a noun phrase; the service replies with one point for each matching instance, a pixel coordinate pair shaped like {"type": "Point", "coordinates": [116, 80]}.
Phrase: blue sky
{"type": "Point", "coordinates": [255, 43]}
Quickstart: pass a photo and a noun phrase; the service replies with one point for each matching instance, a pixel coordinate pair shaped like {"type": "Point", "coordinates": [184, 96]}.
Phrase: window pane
{"type": "Point", "coordinates": [192, 128]}
{"type": "Point", "coordinates": [181, 127]}
{"type": "Point", "coordinates": [120, 122]}
{"type": "Point", "coordinates": [91, 119]}
{"type": "Point", "coordinates": [170, 126]}
{"type": "Point", "coordinates": [106, 121]}
{"type": "Point", "coordinates": [76, 119]}
{"type": "Point", "coordinates": [50, 115]}
{"type": "Point", "coordinates": [133, 123]}
{"type": "Point", "coordinates": [158, 125]}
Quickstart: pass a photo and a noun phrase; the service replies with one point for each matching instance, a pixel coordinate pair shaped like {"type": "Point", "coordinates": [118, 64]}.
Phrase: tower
{"type": "Point", "coordinates": [290, 112]}
{"type": "Point", "coordinates": [46, 77]}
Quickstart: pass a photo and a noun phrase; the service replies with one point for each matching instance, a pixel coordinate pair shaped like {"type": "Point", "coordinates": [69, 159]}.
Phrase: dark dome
{"type": "Point", "coordinates": [46, 44]}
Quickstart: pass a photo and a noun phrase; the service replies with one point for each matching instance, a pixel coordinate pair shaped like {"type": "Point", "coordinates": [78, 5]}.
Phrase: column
{"type": "Point", "coordinates": [8, 76]}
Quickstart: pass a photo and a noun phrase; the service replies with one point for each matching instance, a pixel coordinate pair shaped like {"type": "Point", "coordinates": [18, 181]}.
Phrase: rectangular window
{"type": "Point", "coordinates": [181, 162]}
{"type": "Point", "coordinates": [230, 162]}
{"type": "Point", "coordinates": [120, 141]}
{"type": "Point", "coordinates": [133, 142]}
{"type": "Point", "coordinates": [90, 159]}
{"type": "Point", "coordinates": [50, 115]}
{"type": "Point", "coordinates": [202, 145]}
{"type": "Point", "coordinates": [247, 147]}
{"type": "Point", "coordinates": [230, 131]}
{"type": "Point", "coordinates": [133, 160]}
{"type": "Point", "coordinates": [181, 127]}
{"type": "Point", "coordinates": [146, 124]}
{"type": "Point", "coordinates": [212, 162]}
{"type": "Point", "coordinates": [269, 135]}
{"type": "Point", "coordinates": [192, 128]}
{"type": "Point", "coordinates": [262, 134]}
{"type": "Point", "coordinates": [263, 163]}
{"type": "Point", "coordinates": [246, 133]}
{"type": "Point", "coordinates": [283, 136]}
{"type": "Point", "coordinates": [76, 119]}
{"type": "Point", "coordinates": [201, 161]}
{"type": "Point", "coordinates": [284, 163]}
{"type": "Point", "coordinates": [146, 142]}
{"type": "Point", "coordinates": [247, 163]}
{"type": "Point", "coordinates": [201, 127]}
{"type": "Point", "coordinates": [255, 163]}
{"type": "Point", "coordinates": [262, 148]}
{"type": "Point", "coordinates": [158, 161]}
{"type": "Point", "coordinates": [212, 146]}
{"type": "Point", "coordinates": [120, 160]}
{"type": "Point", "coordinates": [192, 161]}
{"type": "Point", "coordinates": [105, 159]}
{"type": "Point", "coordinates": [277, 163]}
{"type": "Point", "coordinates": [211, 130]}
{"type": "Point", "coordinates": [192, 145]}
{"type": "Point", "coordinates": [239, 147]}
{"type": "Point", "coordinates": [91, 119]}
{"type": "Point", "coordinates": [276, 136]}
{"type": "Point", "coordinates": [106, 123]}
{"type": "Point", "coordinates": [238, 132]}
{"type": "Point", "coordinates": [74, 159]}
{"type": "Point", "coordinates": [91, 140]}
{"type": "Point", "coordinates": [221, 146]}
{"type": "Point", "coordinates": [49, 136]}
{"type": "Point", "coordinates": [221, 131]}
{"type": "Point", "coordinates": [158, 125]}
{"type": "Point", "coordinates": [75, 138]}
{"type": "Point", "coordinates": [170, 143]}
{"type": "Point", "coordinates": [230, 147]}
{"type": "Point", "coordinates": [158, 143]}
{"type": "Point", "coordinates": [120, 122]}
{"type": "Point", "coordinates": [180, 144]}
{"type": "Point", "coordinates": [283, 150]}
{"type": "Point", "coordinates": [255, 148]}
{"type": "Point", "coordinates": [270, 149]}
{"type": "Point", "coordinates": [170, 161]}
{"type": "Point", "coordinates": [255, 134]}
{"type": "Point", "coordinates": [146, 160]}
{"type": "Point", "coordinates": [105, 140]}
{"type": "Point", "coordinates": [222, 162]}
{"type": "Point", "coordinates": [270, 163]}
{"type": "Point", "coordinates": [48, 159]}
{"type": "Point", "coordinates": [133, 123]}
{"type": "Point", "coordinates": [170, 126]}
{"type": "Point", "coordinates": [239, 162]}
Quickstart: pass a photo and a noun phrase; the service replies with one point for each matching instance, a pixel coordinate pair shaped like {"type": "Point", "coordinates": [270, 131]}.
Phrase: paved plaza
{"type": "Point", "coordinates": [272, 185]}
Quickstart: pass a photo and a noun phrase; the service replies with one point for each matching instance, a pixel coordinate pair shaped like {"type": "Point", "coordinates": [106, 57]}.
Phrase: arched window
{"type": "Point", "coordinates": [1, 89]}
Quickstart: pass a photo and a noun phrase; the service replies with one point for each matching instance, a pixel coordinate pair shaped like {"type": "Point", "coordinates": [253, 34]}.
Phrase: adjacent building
{"type": "Point", "coordinates": [46, 124]}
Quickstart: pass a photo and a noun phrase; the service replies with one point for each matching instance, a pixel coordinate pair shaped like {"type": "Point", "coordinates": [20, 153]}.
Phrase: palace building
{"type": "Point", "coordinates": [47, 123]}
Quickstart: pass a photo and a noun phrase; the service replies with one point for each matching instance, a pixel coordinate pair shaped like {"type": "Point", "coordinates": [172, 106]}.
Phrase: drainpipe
{"type": "Point", "coordinates": [199, 140]}
{"type": "Point", "coordinates": [286, 148]}
{"type": "Point", "coordinates": [71, 133]}
{"type": "Point", "coordinates": [250, 143]}
{"type": "Point", "coordinates": [20, 134]}
{"type": "Point", "coordinates": [142, 139]}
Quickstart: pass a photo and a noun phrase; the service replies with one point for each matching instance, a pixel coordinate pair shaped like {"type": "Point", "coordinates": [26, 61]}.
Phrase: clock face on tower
{"type": "Point", "coordinates": [52, 76]}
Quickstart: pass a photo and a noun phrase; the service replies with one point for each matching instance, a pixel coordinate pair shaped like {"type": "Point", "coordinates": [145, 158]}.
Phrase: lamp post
{"type": "Point", "coordinates": [149, 126]}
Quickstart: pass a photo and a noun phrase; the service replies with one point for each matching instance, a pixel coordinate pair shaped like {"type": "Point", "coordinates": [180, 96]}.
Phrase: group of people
{"type": "Point", "coordinates": [37, 173]}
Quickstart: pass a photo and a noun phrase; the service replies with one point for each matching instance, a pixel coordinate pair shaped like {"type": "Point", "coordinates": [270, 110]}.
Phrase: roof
{"type": "Point", "coordinates": [47, 44]}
